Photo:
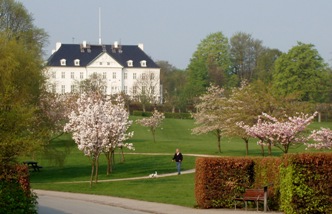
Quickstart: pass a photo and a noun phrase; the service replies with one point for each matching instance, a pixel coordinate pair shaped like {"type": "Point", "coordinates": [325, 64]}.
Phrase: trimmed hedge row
{"type": "Point", "coordinates": [298, 183]}
{"type": "Point", "coordinates": [306, 184]}
{"type": "Point", "coordinates": [15, 193]}
{"type": "Point", "coordinates": [218, 180]}
{"type": "Point", "coordinates": [166, 114]}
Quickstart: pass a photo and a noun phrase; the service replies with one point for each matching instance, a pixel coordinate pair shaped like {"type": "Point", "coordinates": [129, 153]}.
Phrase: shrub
{"type": "Point", "coordinates": [219, 180]}
{"type": "Point", "coordinates": [306, 183]}
{"type": "Point", "coordinates": [267, 173]}
{"type": "Point", "coordinates": [16, 195]}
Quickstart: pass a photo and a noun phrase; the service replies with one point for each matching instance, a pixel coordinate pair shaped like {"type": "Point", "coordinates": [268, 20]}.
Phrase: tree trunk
{"type": "Point", "coordinates": [219, 139]}
{"type": "Point", "coordinates": [108, 168]}
{"type": "Point", "coordinates": [122, 156]}
{"type": "Point", "coordinates": [153, 131]}
{"type": "Point", "coordinates": [92, 171]}
{"type": "Point", "coordinates": [262, 150]}
{"type": "Point", "coordinates": [246, 141]}
{"type": "Point", "coordinates": [96, 171]}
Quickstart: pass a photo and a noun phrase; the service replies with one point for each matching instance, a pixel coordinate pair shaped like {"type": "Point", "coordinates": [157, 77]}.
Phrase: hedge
{"type": "Point", "coordinates": [219, 180]}
{"type": "Point", "coordinates": [298, 183]}
{"type": "Point", "coordinates": [306, 183]}
{"type": "Point", "coordinates": [16, 195]}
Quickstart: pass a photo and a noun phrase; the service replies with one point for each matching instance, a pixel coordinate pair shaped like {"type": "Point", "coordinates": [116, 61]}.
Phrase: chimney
{"type": "Point", "coordinates": [116, 44]}
{"type": "Point", "coordinates": [57, 46]}
{"type": "Point", "coordinates": [84, 44]}
{"type": "Point", "coordinates": [141, 46]}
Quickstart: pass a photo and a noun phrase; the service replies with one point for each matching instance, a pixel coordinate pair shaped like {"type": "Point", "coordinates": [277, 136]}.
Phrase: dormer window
{"type": "Point", "coordinates": [63, 62]}
{"type": "Point", "coordinates": [143, 63]}
{"type": "Point", "coordinates": [77, 62]}
{"type": "Point", "coordinates": [130, 63]}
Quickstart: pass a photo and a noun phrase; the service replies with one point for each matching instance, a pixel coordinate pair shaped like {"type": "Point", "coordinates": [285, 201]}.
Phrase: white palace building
{"type": "Point", "coordinates": [125, 68]}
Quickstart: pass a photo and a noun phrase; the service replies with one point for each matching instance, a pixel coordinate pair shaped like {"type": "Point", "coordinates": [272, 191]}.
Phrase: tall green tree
{"type": "Point", "coordinates": [21, 81]}
{"type": "Point", "coordinates": [209, 64]}
{"type": "Point", "coordinates": [302, 72]}
{"type": "Point", "coordinates": [265, 64]}
{"type": "Point", "coordinates": [172, 81]}
{"type": "Point", "coordinates": [244, 52]}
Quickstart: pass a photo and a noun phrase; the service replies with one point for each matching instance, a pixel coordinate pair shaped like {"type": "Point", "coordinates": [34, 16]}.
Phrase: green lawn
{"type": "Point", "coordinates": [174, 134]}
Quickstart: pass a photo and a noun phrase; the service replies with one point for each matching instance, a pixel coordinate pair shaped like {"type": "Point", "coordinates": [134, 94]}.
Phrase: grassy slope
{"type": "Point", "coordinates": [175, 190]}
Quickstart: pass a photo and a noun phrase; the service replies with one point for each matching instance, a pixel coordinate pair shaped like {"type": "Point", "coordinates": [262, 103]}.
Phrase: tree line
{"type": "Point", "coordinates": [300, 74]}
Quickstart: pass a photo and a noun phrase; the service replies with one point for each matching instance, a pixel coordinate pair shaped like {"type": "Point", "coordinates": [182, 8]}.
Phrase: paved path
{"type": "Point", "coordinates": [52, 202]}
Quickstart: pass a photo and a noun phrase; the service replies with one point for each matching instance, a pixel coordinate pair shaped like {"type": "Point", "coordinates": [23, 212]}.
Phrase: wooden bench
{"type": "Point", "coordinates": [33, 165]}
{"type": "Point", "coordinates": [255, 195]}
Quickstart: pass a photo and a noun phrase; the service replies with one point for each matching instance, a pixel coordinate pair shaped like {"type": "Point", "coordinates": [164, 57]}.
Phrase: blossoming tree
{"type": "Point", "coordinates": [278, 133]}
{"type": "Point", "coordinates": [152, 122]}
{"type": "Point", "coordinates": [210, 116]}
{"type": "Point", "coordinates": [95, 127]}
{"type": "Point", "coordinates": [119, 125]}
{"type": "Point", "coordinates": [322, 138]}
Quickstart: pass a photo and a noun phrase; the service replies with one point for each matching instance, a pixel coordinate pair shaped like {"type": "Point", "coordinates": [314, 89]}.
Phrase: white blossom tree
{"type": "Point", "coordinates": [93, 125]}
{"type": "Point", "coordinates": [210, 116]}
{"type": "Point", "coordinates": [278, 133]}
{"type": "Point", "coordinates": [322, 138]}
{"type": "Point", "coordinates": [152, 122]}
{"type": "Point", "coordinates": [119, 126]}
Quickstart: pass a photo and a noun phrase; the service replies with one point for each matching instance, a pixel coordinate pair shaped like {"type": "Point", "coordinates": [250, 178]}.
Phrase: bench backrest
{"type": "Point", "coordinates": [254, 193]}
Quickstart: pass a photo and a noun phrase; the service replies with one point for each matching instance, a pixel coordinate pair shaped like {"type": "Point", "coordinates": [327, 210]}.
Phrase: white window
{"type": "Point", "coordinates": [134, 76]}
{"type": "Point", "coordinates": [104, 75]}
{"type": "Point", "coordinates": [143, 63]}
{"type": "Point", "coordinates": [81, 75]}
{"type": "Point", "coordinates": [63, 75]}
{"type": "Point", "coordinates": [152, 76]}
{"type": "Point", "coordinates": [105, 89]}
{"type": "Point", "coordinates": [63, 62]}
{"type": "Point", "coordinates": [143, 76]}
{"type": "Point", "coordinates": [125, 89]}
{"type": "Point", "coordinates": [152, 89]}
{"type": "Point", "coordinates": [108, 63]}
{"type": "Point", "coordinates": [72, 75]}
{"type": "Point", "coordinates": [77, 62]}
{"type": "Point", "coordinates": [53, 74]}
{"type": "Point", "coordinates": [125, 75]}
{"type": "Point", "coordinates": [72, 88]}
{"type": "Point", "coordinates": [130, 63]}
{"type": "Point", "coordinates": [114, 75]}
{"type": "Point", "coordinates": [134, 89]}
{"type": "Point", "coordinates": [100, 63]}
{"type": "Point", "coordinates": [63, 89]}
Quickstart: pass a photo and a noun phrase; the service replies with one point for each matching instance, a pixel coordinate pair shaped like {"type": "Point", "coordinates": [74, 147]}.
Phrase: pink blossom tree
{"type": "Point", "coordinates": [92, 126]}
{"type": "Point", "coordinates": [280, 133]}
{"type": "Point", "coordinates": [152, 122]}
{"type": "Point", "coordinates": [322, 138]}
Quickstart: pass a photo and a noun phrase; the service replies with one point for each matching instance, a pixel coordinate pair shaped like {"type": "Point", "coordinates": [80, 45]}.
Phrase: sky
{"type": "Point", "coordinates": [171, 29]}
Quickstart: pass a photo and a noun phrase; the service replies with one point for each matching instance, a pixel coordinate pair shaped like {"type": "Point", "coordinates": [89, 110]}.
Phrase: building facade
{"type": "Point", "coordinates": [123, 68]}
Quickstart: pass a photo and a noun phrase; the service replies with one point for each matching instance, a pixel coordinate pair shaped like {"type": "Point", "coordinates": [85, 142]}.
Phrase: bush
{"type": "Point", "coordinates": [219, 180]}
{"type": "Point", "coordinates": [15, 194]}
{"type": "Point", "coordinates": [298, 183]}
{"type": "Point", "coordinates": [267, 173]}
{"type": "Point", "coordinates": [306, 184]}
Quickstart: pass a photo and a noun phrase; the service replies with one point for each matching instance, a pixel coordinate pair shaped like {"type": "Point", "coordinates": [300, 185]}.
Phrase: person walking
{"type": "Point", "coordinates": [178, 159]}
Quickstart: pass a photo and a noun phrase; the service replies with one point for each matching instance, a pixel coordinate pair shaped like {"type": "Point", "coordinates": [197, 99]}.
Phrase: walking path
{"type": "Point", "coordinates": [130, 204]}
{"type": "Point", "coordinates": [136, 205]}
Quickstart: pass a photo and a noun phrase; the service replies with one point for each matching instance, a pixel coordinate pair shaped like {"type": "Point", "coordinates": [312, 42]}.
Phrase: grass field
{"type": "Point", "coordinates": [173, 134]}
